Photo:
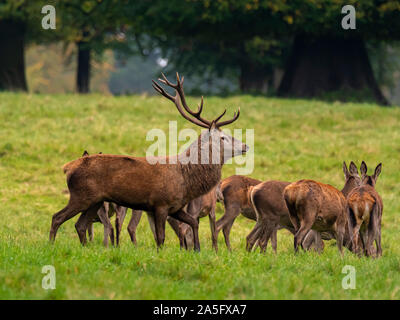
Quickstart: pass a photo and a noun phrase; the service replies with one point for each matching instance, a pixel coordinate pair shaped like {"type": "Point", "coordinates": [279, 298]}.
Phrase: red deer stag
{"type": "Point", "coordinates": [365, 210]}
{"type": "Point", "coordinates": [162, 187]}
{"type": "Point", "coordinates": [321, 207]}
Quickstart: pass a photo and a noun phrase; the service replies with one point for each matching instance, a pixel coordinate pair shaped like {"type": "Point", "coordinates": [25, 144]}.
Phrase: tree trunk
{"type": "Point", "coordinates": [254, 79]}
{"type": "Point", "coordinates": [327, 65]}
{"type": "Point", "coordinates": [12, 61]}
{"type": "Point", "coordinates": [83, 72]}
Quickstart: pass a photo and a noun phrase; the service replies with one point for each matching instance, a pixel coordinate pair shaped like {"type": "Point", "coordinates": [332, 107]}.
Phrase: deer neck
{"type": "Point", "coordinates": [199, 178]}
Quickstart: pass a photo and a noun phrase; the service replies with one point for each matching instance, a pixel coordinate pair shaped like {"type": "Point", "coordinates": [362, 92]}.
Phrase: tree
{"type": "Point", "coordinates": [92, 25]}
{"type": "Point", "coordinates": [20, 22]}
{"type": "Point", "coordinates": [324, 56]}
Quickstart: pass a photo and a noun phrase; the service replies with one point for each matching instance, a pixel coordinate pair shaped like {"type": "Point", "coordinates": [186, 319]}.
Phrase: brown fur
{"type": "Point", "coordinates": [319, 206]}
{"type": "Point", "coordinates": [199, 208]}
{"type": "Point", "coordinates": [162, 189]}
{"type": "Point", "coordinates": [365, 211]}
{"type": "Point", "coordinates": [235, 190]}
{"type": "Point", "coordinates": [106, 211]}
{"type": "Point", "coordinates": [272, 214]}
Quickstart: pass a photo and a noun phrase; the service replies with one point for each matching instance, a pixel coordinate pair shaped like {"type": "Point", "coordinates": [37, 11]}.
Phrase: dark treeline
{"type": "Point", "coordinates": [247, 41]}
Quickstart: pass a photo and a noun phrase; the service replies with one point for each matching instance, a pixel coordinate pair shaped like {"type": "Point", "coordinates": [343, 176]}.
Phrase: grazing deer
{"type": "Point", "coordinates": [235, 192]}
{"type": "Point", "coordinates": [365, 211]}
{"type": "Point", "coordinates": [321, 207]}
{"type": "Point", "coordinates": [272, 215]}
{"type": "Point", "coordinates": [162, 187]}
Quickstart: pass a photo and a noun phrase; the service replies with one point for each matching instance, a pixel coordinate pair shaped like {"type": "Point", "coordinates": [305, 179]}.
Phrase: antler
{"type": "Point", "coordinates": [180, 98]}
{"type": "Point", "coordinates": [224, 123]}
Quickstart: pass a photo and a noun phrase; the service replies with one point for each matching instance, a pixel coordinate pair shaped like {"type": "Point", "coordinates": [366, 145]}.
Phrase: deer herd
{"type": "Point", "coordinates": [183, 188]}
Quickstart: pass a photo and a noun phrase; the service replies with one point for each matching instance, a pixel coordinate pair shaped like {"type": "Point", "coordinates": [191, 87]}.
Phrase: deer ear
{"type": "Point", "coordinates": [363, 169]}
{"type": "Point", "coordinates": [345, 170]}
{"type": "Point", "coordinates": [377, 171]}
{"type": "Point", "coordinates": [85, 153]}
{"type": "Point", "coordinates": [353, 169]}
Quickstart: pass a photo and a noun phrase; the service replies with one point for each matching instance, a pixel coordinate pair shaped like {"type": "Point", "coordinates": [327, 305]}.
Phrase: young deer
{"type": "Point", "coordinates": [161, 185]}
{"type": "Point", "coordinates": [321, 207]}
{"type": "Point", "coordinates": [198, 208]}
{"type": "Point", "coordinates": [235, 191]}
{"type": "Point", "coordinates": [365, 211]}
{"type": "Point", "coordinates": [272, 215]}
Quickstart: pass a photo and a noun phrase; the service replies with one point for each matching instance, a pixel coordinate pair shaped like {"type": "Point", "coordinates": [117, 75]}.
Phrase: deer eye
{"type": "Point", "coordinates": [222, 138]}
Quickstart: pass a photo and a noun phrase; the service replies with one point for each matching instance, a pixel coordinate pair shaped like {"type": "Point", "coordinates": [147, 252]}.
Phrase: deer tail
{"type": "Point", "coordinates": [251, 196]}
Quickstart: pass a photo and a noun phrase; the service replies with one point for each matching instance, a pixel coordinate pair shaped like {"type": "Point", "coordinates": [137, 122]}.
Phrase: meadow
{"type": "Point", "coordinates": [294, 139]}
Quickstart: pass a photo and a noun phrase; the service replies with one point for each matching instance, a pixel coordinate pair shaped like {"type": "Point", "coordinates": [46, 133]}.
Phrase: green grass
{"type": "Point", "coordinates": [294, 139]}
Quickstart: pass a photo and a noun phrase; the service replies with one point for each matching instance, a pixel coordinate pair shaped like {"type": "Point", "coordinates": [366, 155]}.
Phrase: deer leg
{"type": "Point", "coordinates": [214, 237]}
{"type": "Point", "coordinates": [313, 239]}
{"type": "Point", "coordinates": [90, 231]}
{"type": "Point", "coordinates": [84, 220]}
{"type": "Point", "coordinates": [186, 218]}
{"type": "Point", "coordinates": [176, 226]}
{"type": "Point", "coordinates": [108, 228]}
{"type": "Point", "coordinates": [73, 207]}
{"type": "Point", "coordinates": [378, 242]}
{"type": "Point", "coordinates": [340, 231]}
{"type": "Point", "coordinates": [355, 237]}
{"type": "Point", "coordinates": [186, 236]}
{"type": "Point", "coordinates": [305, 227]}
{"type": "Point", "coordinates": [231, 212]}
{"type": "Point", "coordinates": [267, 230]}
{"type": "Point", "coordinates": [253, 237]}
{"type": "Point", "coordinates": [152, 224]}
{"type": "Point", "coordinates": [372, 235]}
{"type": "Point", "coordinates": [119, 220]}
{"type": "Point", "coordinates": [226, 231]}
{"type": "Point", "coordinates": [133, 223]}
{"type": "Point", "coordinates": [274, 239]}
{"type": "Point", "coordinates": [160, 217]}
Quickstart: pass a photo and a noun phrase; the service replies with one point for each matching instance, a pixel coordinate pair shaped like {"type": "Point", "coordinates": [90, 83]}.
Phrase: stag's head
{"type": "Point", "coordinates": [370, 180]}
{"type": "Point", "coordinates": [214, 145]}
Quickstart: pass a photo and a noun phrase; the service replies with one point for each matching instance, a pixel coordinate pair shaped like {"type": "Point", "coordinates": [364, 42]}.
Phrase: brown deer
{"type": "Point", "coordinates": [161, 185]}
{"type": "Point", "coordinates": [365, 211]}
{"type": "Point", "coordinates": [272, 215]}
{"type": "Point", "coordinates": [198, 208]}
{"type": "Point", "coordinates": [235, 192]}
{"type": "Point", "coordinates": [321, 207]}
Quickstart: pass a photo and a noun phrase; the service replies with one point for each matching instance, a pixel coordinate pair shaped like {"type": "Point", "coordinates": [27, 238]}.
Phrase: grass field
{"type": "Point", "coordinates": [294, 139]}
